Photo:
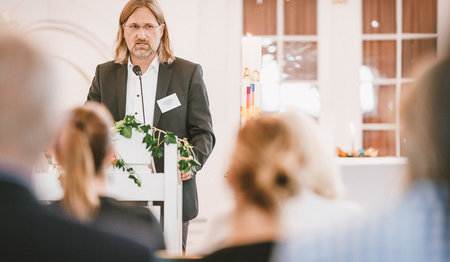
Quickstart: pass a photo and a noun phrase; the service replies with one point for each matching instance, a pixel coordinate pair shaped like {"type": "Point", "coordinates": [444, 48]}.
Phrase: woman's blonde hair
{"type": "Point", "coordinates": [165, 52]}
{"type": "Point", "coordinates": [263, 169]}
{"type": "Point", "coordinates": [81, 148]}
{"type": "Point", "coordinates": [274, 158]}
{"type": "Point", "coordinates": [319, 172]}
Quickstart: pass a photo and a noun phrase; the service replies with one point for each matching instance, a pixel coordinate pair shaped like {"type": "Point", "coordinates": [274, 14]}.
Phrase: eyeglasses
{"type": "Point", "coordinates": [134, 28]}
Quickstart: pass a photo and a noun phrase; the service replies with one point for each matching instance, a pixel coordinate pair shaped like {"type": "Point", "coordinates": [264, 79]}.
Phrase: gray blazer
{"type": "Point", "coordinates": [191, 120]}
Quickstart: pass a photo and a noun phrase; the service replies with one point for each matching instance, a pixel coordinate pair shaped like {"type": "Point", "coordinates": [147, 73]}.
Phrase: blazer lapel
{"type": "Point", "coordinates": [121, 80]}
{"type": "Point", "coordinates": [164, 76]}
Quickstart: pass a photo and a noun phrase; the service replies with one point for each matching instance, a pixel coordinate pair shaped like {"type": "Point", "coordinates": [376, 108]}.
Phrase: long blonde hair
{"type": "Point", "coordinates": [165, 51]}
{"type": "Point", "coordinates": [81, 149]}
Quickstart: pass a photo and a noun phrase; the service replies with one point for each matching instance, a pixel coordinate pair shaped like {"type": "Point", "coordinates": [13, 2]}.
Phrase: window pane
{"type": "Point", "coordinates": [379, 56]}
{"type": "Point", "coordinates": [300, 61]}
{"type": "Point", "coordinates": [414, 51]}
{"type": "Point", "coordinates": [419, 16]}
{"type": "Point", "coordinates": [378, 103]}
{"type": "Point", "coordinates": [300, 17]}
{"type": "Point", "coordinates": [379, 16]}
{"type": "Point", "coordinates": [270, 76]}
{"type": "Point", "coordinates": [303, 96]}
{"type": "Point", "coordinates": [383, 141]}
{"type": "Point", "coordinates": [260, 17]}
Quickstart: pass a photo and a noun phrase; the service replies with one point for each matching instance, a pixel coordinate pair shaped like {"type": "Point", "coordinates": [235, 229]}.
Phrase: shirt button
{"type": "Point", "coordinates": [135, 113]}
{"type": "Point", "coordinates": [137, 95]}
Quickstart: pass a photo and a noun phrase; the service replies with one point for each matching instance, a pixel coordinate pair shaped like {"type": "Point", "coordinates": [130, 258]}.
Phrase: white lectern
{"type": "Point", "coordinates": [165, 186]}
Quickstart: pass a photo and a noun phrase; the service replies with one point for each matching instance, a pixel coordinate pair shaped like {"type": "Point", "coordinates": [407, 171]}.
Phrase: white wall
{"type": "Point", "coordinates": [74, 33]}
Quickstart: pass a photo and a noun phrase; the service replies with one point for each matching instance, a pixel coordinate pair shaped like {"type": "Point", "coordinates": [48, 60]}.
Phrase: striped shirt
{"type": "Point", "coordinates": [417, 229]}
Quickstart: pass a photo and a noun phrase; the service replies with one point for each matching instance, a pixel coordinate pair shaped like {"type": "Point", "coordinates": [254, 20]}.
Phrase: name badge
{"type": "Point", "coordinates": [168, 103]}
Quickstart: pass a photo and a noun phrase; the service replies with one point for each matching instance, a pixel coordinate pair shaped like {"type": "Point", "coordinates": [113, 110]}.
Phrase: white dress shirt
{"type": "Point", "coordinates": [149, 82]}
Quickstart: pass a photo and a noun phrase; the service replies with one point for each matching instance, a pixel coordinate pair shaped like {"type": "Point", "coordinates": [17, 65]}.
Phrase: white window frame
{"type": "Point", "coordinates": [280, 38]}
{"type": "Point", "coordinates": [398, 81]}
{"type": "Point", "coordinates": [339, 58]}
{"type": "Point", "coordinates": [340, 102]}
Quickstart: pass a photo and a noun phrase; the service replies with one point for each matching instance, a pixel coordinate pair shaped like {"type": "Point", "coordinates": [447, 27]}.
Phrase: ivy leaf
{"type": "Point", "coordinates": [194, 162]}
{"type": "Point", "coordinates": [126, 131]}
{"type": "Point", "coordinates": [170, 138]}
{"type": "Point", "coordinates": [183, 151]}
{"type": "Point", "coordinates": [145, 128]}
{"type": "Point", "coordinates": [156, 151]}
{"type": "Point", "coordinates": [148, 141]}
{"type": "Point", "coordinates": [183, 165]}
{"type": "Point", "coordinates": [135, 179]}
{"type": "Point", "coordinates": [119, 163]}
{"type": "Point", "coordinates": [129, 119]}
{"type": "Point", "coordinates": [119, 125]}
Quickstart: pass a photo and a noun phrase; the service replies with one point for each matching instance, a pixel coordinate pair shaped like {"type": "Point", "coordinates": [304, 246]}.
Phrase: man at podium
{"type": "Point", "coordinates": [146, 80]}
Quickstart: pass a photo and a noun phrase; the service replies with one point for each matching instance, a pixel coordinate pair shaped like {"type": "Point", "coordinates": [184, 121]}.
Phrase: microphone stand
{"type": "Point", "coordinates": [137, 70]}
{"type": "Point", "coordinates": [142, 98]}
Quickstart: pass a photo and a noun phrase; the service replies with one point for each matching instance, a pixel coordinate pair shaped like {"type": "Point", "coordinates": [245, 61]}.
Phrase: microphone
{"type": "Point", "coordinates": [137, 70]}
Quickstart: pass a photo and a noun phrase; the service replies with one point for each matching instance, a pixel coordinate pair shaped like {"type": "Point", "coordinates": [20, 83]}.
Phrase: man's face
{"type": "Point", "coordinates": [142, 33]}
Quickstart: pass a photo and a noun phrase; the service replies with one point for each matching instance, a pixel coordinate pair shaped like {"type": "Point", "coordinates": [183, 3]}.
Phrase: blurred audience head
{"type": "Point", "coordinates": [84, 150]}
{"type": "Point", "coordinates": [275, 157]}
{"type": "Point", "coordinates": [27, 108]}
{"type": "Point", "coordinates": [426, 123]}
{"type": "Point", "coordinates": [265, 162]}
{"type": "Point", "coordinates": [318, 171]}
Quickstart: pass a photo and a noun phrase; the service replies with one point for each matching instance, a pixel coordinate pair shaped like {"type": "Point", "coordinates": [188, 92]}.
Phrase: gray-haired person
{"type": "Point", "coordinates": [28, 231]}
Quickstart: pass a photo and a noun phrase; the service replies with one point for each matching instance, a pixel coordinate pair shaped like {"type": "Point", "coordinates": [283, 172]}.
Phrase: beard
{"type": "Point", "coordinates": [142, 53]}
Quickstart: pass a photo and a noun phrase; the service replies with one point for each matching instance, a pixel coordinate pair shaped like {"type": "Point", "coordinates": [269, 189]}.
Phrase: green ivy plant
{"type": "Point", "coordinates": [153, 139]}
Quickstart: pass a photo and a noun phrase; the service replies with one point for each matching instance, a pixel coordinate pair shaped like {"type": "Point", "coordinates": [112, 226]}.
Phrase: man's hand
{"type": "Point", "coordinates": [186, 176]}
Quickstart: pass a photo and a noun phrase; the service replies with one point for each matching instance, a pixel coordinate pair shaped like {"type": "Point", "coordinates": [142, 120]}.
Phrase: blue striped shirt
{"type": "Point", "coordinates": [417, 229]}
